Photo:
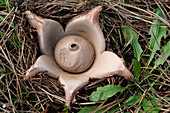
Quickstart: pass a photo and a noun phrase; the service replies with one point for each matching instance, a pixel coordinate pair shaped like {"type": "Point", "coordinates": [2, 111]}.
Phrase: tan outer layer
{"type": "Point", "coordinates": [106, 65]}
{"type": "Point", "coordinates": [44, 64]}
{"type": "Point", "coordinates": [49, 32]}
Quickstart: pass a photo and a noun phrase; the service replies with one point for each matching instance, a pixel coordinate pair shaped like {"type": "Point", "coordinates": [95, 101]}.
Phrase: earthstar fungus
{"type": "Point", "coordinates": [75, 54]}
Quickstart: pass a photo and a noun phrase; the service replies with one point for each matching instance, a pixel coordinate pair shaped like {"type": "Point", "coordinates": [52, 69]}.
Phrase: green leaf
{"type": "Point", "coordinates": [132, 100]}
{"type": "Point", "coordinates": [90, 109]}
{"type": "Point", "coordinates": [152, 112]}
{"type": "Point", "coordinates": [65, 110]}
{"type": "Point", "coordinates": [137, 68]}
{"type": "Point", "coordinates": [105, 92]}
{"type": "Point", "coordinates": [166, 51]}
{"type": "Point", "coordinates": [156, 31]}
{"type": "Point", "coordinates": [27, 96]}
{"type": "Point", "coordinates": [129, 33]}
{"type": "Point", "coordinates": [146, 104]}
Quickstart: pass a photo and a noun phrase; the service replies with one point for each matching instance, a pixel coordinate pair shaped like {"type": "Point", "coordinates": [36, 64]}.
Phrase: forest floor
{"type": "Point", "coordinates": [137, 30]}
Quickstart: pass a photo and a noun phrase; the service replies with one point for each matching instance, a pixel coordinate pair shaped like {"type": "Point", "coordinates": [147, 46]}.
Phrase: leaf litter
{"type": "Point", "coordinates": [18, 51]}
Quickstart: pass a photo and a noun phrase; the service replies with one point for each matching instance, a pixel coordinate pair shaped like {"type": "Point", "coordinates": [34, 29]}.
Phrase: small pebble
{"type": "Point", "coordinates": [4, 106]}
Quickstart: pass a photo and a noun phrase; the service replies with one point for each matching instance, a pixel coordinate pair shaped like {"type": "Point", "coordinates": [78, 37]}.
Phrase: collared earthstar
{"type": "Point", "coordinates": [76, 54]}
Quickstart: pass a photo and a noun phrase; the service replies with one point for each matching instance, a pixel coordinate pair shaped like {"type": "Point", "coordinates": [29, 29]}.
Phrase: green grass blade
{"type": "Point", "coordinates": [2, 18]}
{"type": "Point", "coordinates": [154, 98]}
{"type": "Point", "coordinates": [8, 8]}
{"type": "Point", "coordinates": [132, 100]}
{"type": "Point", "coordinates": [10, 40]}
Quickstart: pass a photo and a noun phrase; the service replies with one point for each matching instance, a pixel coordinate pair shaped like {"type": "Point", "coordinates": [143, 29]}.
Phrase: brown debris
{"type": "Point", "coordinates": [21, 96]}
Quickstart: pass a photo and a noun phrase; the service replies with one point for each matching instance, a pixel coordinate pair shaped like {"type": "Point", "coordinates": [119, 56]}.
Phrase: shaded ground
{"type": "Point", "coordinates": [19, 49]}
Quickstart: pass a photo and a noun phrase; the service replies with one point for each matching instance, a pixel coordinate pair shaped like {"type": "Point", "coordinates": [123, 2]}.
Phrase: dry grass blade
{"type": "Point", "coordinates": [55, 96]}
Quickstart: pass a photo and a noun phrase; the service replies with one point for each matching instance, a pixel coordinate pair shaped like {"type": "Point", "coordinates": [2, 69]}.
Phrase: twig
{"type": "Point", "coordinates": [55, 96]}
{"type": "Point", "coordinates": [148, 12]}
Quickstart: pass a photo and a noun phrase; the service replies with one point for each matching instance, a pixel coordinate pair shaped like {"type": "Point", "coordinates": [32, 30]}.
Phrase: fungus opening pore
{"type": "Point", "coordinates": [74, 47]}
